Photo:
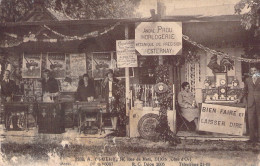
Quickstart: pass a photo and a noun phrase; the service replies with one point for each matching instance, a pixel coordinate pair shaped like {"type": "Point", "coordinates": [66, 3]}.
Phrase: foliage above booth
{"type": "Point", "coordinates": [12, 10]}
{"type": "Point", "coordinates": [251, 19]}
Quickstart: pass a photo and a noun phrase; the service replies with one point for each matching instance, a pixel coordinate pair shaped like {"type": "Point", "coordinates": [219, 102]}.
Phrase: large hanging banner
{"type": "Point", "coordinates": [125, 51]}
{"type": "Point", "coordinates": [77, 65]}
{"type": "Point", "coordinates": [158, 38]}
{"type": "Point", "coordinates": [222, 119]}
{"type": "Point", "coordinates": [56, 63]}
{"type": "Point", "coordinates": [31, 66]}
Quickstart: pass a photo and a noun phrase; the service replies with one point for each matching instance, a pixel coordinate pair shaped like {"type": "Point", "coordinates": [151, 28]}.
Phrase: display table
{"type": "Point", "coordinates": [50, 118]}
{"type": "Point", "coordinates": [90, 113]}
{"type": "Point", "coordinates": [221, 95]}
{"type": "Point", "coordinates": [20, 109]}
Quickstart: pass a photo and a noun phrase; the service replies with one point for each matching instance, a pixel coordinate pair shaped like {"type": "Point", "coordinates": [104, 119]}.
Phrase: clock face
{"type": "Point", "coordinates": [160, 87]}
{"type": "Point", "coordinates": [222, 82]}
{"type": "Point", "coordinates": [207, 84]}
{"type": "Point", "coordinates": [223, 90]}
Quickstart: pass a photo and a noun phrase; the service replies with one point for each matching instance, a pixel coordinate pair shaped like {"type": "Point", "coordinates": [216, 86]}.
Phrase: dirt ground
{"type": "Point", "coordinates": [119, 151]}
{"type": "Point", "coordinates": [25, 148]}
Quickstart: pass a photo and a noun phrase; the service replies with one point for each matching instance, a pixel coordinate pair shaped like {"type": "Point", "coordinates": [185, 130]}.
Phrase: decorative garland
{"type": "Point", "coordinates": [32, 37]}
{"type": "Point", "coordinates": [165, 103]}
{"type": "Point", "coordinates": [218, 53]}
{"type": "Point", "coordinates": [85, 36]}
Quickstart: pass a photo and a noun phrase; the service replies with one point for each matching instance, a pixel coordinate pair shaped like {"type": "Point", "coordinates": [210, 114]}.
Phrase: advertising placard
{"type": "Point", "coordinates": [77, 64]}
{"type": "Point", "coordinates": [101, 63]}
{"type": "Point", "coordinates": [158, 38]}
{"type": "Point", "coordinates": [125, 51]}
{"type": "Point", "coordinates": [31, 66]}
{"type": "Point", "coordinates": [56, 63]}
{"type": "Point", "coordinates": [222, 119]}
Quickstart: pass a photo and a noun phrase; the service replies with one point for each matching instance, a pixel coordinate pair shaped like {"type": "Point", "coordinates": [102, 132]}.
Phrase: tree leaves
{"type": "Point", "coordinates": [250, 19]}
{"type": "Point", "coordinates": [11, 10]}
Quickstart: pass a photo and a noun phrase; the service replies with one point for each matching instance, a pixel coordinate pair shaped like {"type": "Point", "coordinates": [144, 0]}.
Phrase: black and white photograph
{"type": "Point", "coordinates": [129, 82]}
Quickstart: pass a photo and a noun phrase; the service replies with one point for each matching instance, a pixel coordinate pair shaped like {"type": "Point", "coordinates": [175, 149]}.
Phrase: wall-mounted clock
{"type": "Point", "coordinates": [221, 79]}
{"type": "Point", "coordinates": [223, 91]}
{"type": "Point", "coordinates": [223, 82]}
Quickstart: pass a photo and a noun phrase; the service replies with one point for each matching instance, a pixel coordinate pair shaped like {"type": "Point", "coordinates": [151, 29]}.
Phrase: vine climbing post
{"type": "Point", "coordinates": [165, 97]}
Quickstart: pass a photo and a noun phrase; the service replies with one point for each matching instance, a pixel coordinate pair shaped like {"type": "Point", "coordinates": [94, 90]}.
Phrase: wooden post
{"type": "Point", "coordinates": [161, 9]}
{"type": "Point", "coordinates": [127, 85]}
{"type": "Point", "coordinates": [174, 109]}
{"type": "Point", "coordinates": [159, 12]}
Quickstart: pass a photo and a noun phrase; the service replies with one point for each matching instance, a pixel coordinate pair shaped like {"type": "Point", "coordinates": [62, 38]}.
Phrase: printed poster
{"type": "Point", "coordinates": [101, 63]}
{"type": "Point", "coordinates": [31, 66]}
{"type": "Point", "coordinates": [77, 64]}
{"type": "Point", "coordinates": [56, 63]}
{"type": "Point", "coordinates": [125, 51]}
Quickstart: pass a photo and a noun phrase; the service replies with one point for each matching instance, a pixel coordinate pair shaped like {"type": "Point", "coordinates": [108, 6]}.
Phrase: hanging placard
{"type": "Point", "coordinates": [101, 63]}
{"type": "Point", "coordinates": [158, 38]}
{"type": "Point", "coordinates": [56, 63]}
{"type": "Point", "coordinates": [31, 66]}
{"type": "Point", "coordinates": [222, 119]}
{"type": "Point", "coordinates": [77, 64]}
{"type": "Point", "coordinates": [125, 51]}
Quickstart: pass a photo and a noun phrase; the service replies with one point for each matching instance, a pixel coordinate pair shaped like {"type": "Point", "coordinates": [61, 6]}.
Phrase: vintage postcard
{"type": "Point", "coordinates": [130, 82]}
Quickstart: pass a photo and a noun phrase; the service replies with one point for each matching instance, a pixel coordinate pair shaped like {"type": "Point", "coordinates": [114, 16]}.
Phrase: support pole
{"type": "Point", "coordinates": [160, 12]}
{"type": "Point", "coordinates": [157, 18]}
{"type": "Point", "coordinates": [127, 85]}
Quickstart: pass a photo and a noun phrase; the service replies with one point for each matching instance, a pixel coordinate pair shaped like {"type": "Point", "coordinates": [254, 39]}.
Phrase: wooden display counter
{"type": "Point", "coordinates": [50, 118]}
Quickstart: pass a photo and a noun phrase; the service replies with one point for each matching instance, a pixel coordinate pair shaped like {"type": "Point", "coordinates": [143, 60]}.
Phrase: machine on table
{"type": "Point", "coordinates": [25, 112]}
{"type": "Point", "coordinates": [90, 116]}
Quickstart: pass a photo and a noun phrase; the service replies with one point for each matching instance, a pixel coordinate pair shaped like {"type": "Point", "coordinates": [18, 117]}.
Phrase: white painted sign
{"type": "Point", "coordinates": [222, 119]}
{"type": "Point", "coordinates": [158, 38]}
{"type": "Point", "coordinates": [125, 51]}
